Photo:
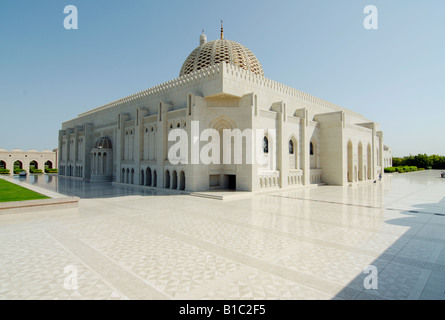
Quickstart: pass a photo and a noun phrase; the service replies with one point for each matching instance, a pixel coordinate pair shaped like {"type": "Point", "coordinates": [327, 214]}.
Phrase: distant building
{"type": "Point", "coordinates": [221, 86]}
{"type": "Point", "coordinates": [387, 156]}
{"type": "Point", "coordinates": [27, 159]}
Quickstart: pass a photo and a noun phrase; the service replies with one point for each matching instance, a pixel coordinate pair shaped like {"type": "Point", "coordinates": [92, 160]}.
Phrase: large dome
{"type": "Point", "coordinates": [212, 52]}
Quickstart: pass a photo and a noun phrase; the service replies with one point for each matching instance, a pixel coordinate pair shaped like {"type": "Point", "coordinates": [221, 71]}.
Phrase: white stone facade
{"type": "Point", "coordinates": [26, 159]}
{"type": "Point", "coordinates": [311, 140]}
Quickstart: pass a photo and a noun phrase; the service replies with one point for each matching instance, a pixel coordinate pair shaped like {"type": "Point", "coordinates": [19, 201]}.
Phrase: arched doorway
{"type": "Point", "coordinates": [369, 161]}
{"type": "Point", "coordinates": [48, 165]}
{"type": "Point", "coordinates": [148, 177]}
{"type": "Point", "coordinates": [360, 162]}
{"type": "Point", "coordinates": [33, 165]}
{"type": "Point", "coordinates": [167, 179]}
{"type": "Point", "coordinates": [174, 180]}
{"type": "Point", "coordinates": [2, 164]}
{"type": "Point", "coordinates": [142, 177]}
{"type": "Point", "coordinates": [102, 161]}
{"type": "Point", "coordinates": [18, 166]}
{"type": "Point", "coordinates": [99, 170]}
{"type": "Point", "coordinates": [155, 179]}
{"type": "Point", "coordinates": [104, 164]}
{"type": "Point", "coordinates": [182, 180]}
{"type": "Point", "coordinates": [350, 163]}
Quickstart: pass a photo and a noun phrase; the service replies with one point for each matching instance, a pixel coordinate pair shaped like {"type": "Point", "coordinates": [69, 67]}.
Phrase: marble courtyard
{"type": "Point", "coordinates": [302, 243]}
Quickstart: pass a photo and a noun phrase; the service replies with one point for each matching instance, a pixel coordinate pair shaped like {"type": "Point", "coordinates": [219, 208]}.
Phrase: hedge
{"type": "Point", "coordinates": [50, 170]}
{"type": "Point", "coordinates": [401, 169]}
{"type": "Point", "coordinates": [4, 171]}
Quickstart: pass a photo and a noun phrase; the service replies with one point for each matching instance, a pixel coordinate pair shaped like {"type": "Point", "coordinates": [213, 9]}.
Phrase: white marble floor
{"type": "Point", "coordinates": [303, 244]}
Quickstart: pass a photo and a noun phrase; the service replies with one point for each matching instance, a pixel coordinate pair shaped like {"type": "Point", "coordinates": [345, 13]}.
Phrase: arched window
{"type": "Point", "coordinates": [291, 147]}
{"type": "Point", "coordinates": [350, 163]}
{"type": "Point", "coordinates": [48, 165]}
{"type": "Point", "coordinates": [148, 178]}
{"type": "Point", "coordinates": [311, 149]}
{"type": "Point", "coordinates": [33, 165]}
{"type": "Point", "coordinates": [182, 181]}
{"type": "Point", "coordinates": [174, 184]}
{"type": "Point", "coordinates": [155, 179]}
{"type": "Point", "coordinates": [18, 165]}
{"type": "Point", "coordinates": [167, 179]}
{"type": "Point", "coordinates": [104, 165]}
{"type": "Point", "coordinates": [265, 145]}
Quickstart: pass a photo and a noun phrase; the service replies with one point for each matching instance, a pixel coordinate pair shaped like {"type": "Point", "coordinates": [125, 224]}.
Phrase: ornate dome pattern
{"type": "Point", "coordinates": [103, 143]}
{"type": "Point", "coordinates": [213, 52]}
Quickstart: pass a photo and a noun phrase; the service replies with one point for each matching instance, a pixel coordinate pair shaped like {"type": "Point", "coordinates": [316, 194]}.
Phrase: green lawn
{"type": "Point", "coordinates": [12, 192]}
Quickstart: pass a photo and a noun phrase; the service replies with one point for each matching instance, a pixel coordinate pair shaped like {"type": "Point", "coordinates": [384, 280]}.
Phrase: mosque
{"type": "Point", "coordinates": [221, 86]}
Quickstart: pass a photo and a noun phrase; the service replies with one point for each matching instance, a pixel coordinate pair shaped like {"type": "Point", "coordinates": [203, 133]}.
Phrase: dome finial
{"type": "Point", "coordinates": [202, 39]}
{"type": "Point", "coordinates": [222, 30]}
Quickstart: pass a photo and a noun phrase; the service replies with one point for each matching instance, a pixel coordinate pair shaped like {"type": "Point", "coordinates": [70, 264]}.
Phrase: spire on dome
{"type": "Point", "coordinates": [222, 30]}
{"type": "Point", "coordinates": [202, 39]}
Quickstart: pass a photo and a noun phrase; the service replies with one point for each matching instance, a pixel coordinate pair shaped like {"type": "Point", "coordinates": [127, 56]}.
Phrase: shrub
{"type": "Point", "coordinates": [35, 171]}
{"type": "Point", "coordinates": [409, 168]}
{"type": "Point", "coordinates": [400, 169]}
{"type": "Point", "coordinates": [18, 170]}
{"type": "Point", "coordinates": [4, 171]}
{"type": "Point", "coordinates": [50, 170]}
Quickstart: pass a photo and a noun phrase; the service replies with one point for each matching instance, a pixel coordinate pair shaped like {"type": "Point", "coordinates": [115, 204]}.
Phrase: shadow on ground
{"type": "Point", "coordinates": [413, 268]}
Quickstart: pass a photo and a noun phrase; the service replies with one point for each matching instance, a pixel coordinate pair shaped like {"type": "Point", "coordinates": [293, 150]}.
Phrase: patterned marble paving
{"type": "Point", "coordinates": [300, 244]}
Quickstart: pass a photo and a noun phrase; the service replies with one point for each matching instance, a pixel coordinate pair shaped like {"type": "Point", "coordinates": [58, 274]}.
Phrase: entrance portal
{"type": "Point", "coordinates": [232, 181]}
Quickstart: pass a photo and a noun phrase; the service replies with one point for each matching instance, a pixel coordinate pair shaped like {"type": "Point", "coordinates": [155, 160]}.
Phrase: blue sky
{"type": "Point", "coordinates": [393, 75]}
